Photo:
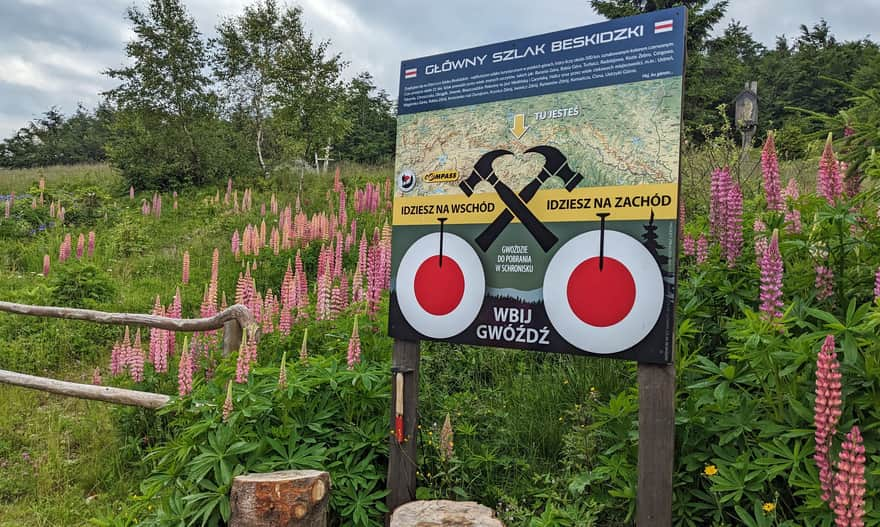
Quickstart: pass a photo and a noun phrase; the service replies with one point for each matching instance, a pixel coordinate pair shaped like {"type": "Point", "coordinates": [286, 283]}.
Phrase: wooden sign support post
{"type": "Point", "coordinates": [656, 445]}
{"type": "Point", "coordinates": [402, 455]}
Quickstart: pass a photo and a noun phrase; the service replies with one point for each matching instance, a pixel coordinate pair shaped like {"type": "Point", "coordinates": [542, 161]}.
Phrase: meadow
{"type": "Point", "coordinates": [768, 272]}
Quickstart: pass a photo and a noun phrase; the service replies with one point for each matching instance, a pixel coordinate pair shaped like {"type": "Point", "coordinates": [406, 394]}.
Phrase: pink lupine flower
{"type": "Point", "coordinates": [8, 208]}
{"type": "Point", "coordinates": [688, 245]}
{"type": "Point", "coordinates": [826, 412]}
{"type": "Point", "coordinates": [64, 250]}
{"type": "Point", "coordinates": [303, 349]}
{"type": "Point", "coordinates": [791, 191]}
{"type": "Point", "coordinates": [285, 321]}
{"type": "Point", "coordinates": [131, 192]}
{"type": "Point", "coordinates": [126, 348]}
{"type": "Point", "coordinates": [760, 239]}
{"type": "Point", "coordinates": [46, 262]}
{"type": "Point", "coordinates": [771, 279]}
{"type": "Point", "coordinates": [824, 282]}
{"type": "Point", "coordinates": [849, 482]}
{"type": "Point", "coordinates": [52, 210]}
{"type": "Point", "coordinates": [185, 277]}
{"type": "Point", "coordinates": [236, 243]}
{"type": "Point", "coordinates": [877, 285]}
{"type": "Point", "coordinates": [282, 372]}
{"type": "Point", "coordinates": [34, 204]}
{"type": "Point", "coordinates": [227, 404]}
{"type": "Point", "coordinates": [733, 237]}
{"type": "Point", "coordinates": [362, 254]}
{"type": "Point", "coordinates": [354, 346]}
{"type": "Point", "coordinates": [702, 249]}
{"type": "Point", "coordinates": [793, 221]}
{"type": "Point", "coordinates": [184, 370]}
{"type": "Point", "coordinates": [174, 195]}
{"type": "Point", "coordinates": [96, 377]}
{"type": "Point", "coordinates": [247, 354]}
{"type": "Point", "coordinates": [288, 288]}
{"type": "Point", "coordinates": [136, 358]}
{"type": "Point", "coordinates": [681, 219]}
{"type": "Point", "coordinates": [173, 311]}
{"type": "Point", "coordinates": [90, 251]}
{"type": "Point", "coordinates": [770, 172]}
{"type": "Point", "coordinates": [117, 361]}
{"type": "Point", "coordinates": [830, 184]}
{"type": "Point", "coordinates": [718, 195]}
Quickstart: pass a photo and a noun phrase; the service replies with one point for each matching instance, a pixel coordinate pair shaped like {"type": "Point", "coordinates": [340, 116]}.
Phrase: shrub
{"type": "Point", "coordinates": [80, 284]}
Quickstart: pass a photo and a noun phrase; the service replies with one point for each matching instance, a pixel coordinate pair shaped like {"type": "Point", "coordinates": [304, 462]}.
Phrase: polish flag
{"type": "Point", "coordinates": [663, 26]}
{"type": "Point", "coordinates": [410, 73]}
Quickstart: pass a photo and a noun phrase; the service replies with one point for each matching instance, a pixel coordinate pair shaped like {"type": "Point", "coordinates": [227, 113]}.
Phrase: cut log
{"type": "Point", "coordinates": [444, 513]}
{"type": "Point", "coordinates": [289, 498]}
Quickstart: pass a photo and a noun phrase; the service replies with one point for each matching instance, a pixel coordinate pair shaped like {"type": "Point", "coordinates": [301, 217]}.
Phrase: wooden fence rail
{"type": "Point", "coordinates": [234, 320]}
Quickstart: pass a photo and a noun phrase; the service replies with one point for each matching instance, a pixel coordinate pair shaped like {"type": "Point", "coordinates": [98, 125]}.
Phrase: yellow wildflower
{"type": "Point", "coordinates": [710, 470]}
{"type": "Point", "coordinates": [769, 507]}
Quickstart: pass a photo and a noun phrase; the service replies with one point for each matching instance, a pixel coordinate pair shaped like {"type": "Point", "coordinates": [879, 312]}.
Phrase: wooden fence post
{"type": "Point", "coordinates": [232, 336]}
{"type": "Point", "coordinates": [402, 456]}
{"type": "Point", "coordinates": [656, 445]}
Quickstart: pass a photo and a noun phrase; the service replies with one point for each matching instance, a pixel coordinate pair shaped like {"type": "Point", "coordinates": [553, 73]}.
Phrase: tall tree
{"type": "Point", "coordinates": [282, 84]}
{"type": "Point", "coordinates": [702, 17]}
{"type": "Point", "coordinates": [163, 100]}
{"type": "Point", "coordinates": [373, 125]}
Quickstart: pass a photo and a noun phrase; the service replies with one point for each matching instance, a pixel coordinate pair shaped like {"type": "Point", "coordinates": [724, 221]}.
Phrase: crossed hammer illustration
{"type": "Point", "coordinates": [555, 164]}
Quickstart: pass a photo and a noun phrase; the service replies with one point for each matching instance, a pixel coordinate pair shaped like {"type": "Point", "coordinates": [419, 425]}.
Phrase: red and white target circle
{"type": "Point", "coordinates": [605, 311]}
{"type": "Point", "coordinates": [440, 301]}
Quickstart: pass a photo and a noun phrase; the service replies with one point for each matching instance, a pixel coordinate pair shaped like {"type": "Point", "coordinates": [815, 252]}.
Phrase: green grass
{"type": "Point", "coordinates": [61, 461]}
{"type": "Point", "coordinates": [21, 180]}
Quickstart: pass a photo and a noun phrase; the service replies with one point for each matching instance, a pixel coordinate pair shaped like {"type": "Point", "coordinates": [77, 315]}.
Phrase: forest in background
{"type": "Point", "coordinates": [265, 94]}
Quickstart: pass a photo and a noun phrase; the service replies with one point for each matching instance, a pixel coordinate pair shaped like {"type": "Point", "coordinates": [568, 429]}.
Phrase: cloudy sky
{"type": "Point", "coordinates": [52, 51]}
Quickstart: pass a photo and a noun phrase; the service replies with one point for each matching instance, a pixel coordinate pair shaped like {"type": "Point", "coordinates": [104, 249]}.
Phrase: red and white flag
{"type": "Point", "coordinates": [410, 73]}
{"type": "Point", "coordinates": [662, 26]}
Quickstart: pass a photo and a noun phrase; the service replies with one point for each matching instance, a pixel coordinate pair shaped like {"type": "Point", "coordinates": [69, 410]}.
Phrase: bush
{"type": "Point", "coordinates": [79, 284]}
{"type": "Point", "coordinates": [326, 418]}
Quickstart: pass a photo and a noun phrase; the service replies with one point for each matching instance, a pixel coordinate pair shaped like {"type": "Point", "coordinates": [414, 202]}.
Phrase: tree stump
{"type": "Point", "coordinates": [289, 498]}
{"type": "Point", "coordinates": [444, 513]}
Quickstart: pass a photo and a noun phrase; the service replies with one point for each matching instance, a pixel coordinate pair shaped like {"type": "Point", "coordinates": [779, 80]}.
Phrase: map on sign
{"type": "Point", "coordinates": [536, 195]}
{"type": "Point", "coordinates": [584, 124]}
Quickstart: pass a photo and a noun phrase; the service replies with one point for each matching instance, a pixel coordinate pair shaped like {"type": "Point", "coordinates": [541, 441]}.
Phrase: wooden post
{"type": "Point", "coordinates": [402, 456]}
{"type": "Point", "coordinates": [232, 336]}
{"type": "Point", "coordinates": [292, 498]}
{"type": "Point", "coordinates": [656, 445]}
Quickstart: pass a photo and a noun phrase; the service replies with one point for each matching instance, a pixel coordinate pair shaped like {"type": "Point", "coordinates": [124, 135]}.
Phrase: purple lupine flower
{"type": "Point", "coordinates": [688, 245]}
{"type": "Point", "coordinates": [824, 282]}
{"type": "Point", "coordinates": [830, 185]}
{"type": "Point", "coordinates": [771, 279]}
{"type": "Point", "coordinates": [733, 236]}
{"type": "Point", "coordinates": [702, 249]}
{"type": "Point", "coordinates": [770, 172]}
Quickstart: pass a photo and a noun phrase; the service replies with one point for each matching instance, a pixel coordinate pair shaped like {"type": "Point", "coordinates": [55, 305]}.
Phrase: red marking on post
{"type": "Point", "coordinates": [398, 428]}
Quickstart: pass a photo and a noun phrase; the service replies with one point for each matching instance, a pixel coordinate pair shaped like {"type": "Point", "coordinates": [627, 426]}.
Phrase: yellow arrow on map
{"type": "Point", "coordinates": [519, 125]}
